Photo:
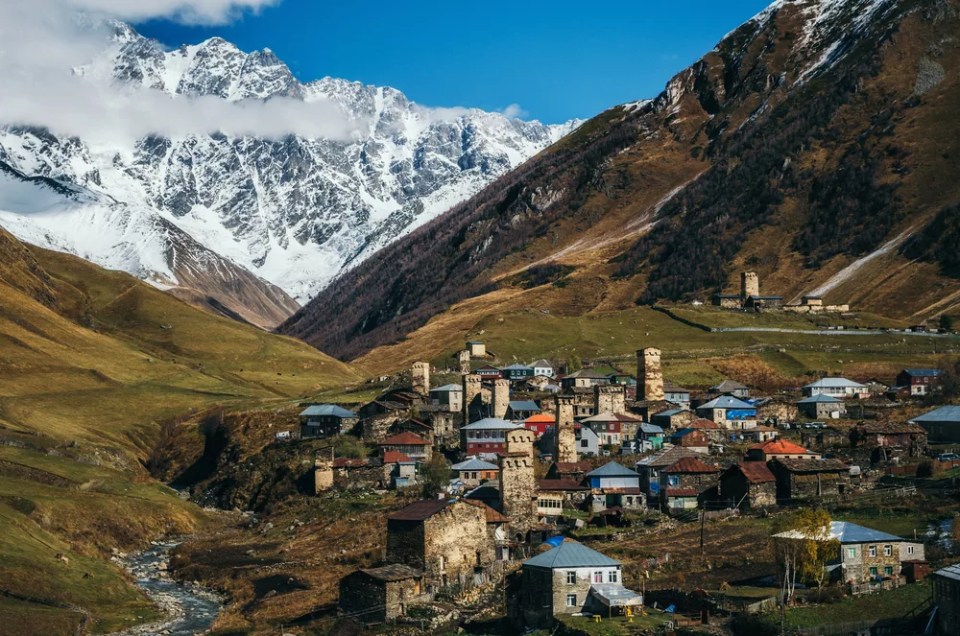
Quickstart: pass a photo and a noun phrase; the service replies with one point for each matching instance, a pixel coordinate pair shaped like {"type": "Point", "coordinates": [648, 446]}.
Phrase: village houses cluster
{"type": "Point", "coordinates": [610, 445]}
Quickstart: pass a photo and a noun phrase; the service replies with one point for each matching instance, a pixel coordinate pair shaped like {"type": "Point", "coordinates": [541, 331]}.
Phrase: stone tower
{"type": "Point", "coordinates": [471, 394]}
{"type": "Point", "coordinates": [609, 399]}
{"type": "Point", "coordinates": [501, 397]}
{"type": "Point", "coordinates": [322, 474]}
{"type": "Point", "coordinates": [749, 285]}
{"type": "Point", "coordinates": [463, 359]}
{"type": "Point", "coordinates": [649, 375]}
{"type": "Point", "coordinates": [565, 438]}
{"type": "Point", "coordinates": [518, 484]}
{"type": "Point", "coordinates": [420, 378]}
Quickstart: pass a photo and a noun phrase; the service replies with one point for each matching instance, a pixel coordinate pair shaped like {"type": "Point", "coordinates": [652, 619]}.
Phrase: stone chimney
{"type": "Point", "coordinates": [609, 399]}
{"type": "Point", "coordinates": [471, 393]}
{"type": "Point", "coordinates": [420, 378]}
{"type": "Point", "coordinates": [565, 436]}
{"type": "Point", "coordinates": [501, 397]}
{"type": "Point", "coordinates": [749, 285]}
{"type": "Point", "coordinates": [463, 359]}
{"type": "Point", "coordinates": [649, 375]}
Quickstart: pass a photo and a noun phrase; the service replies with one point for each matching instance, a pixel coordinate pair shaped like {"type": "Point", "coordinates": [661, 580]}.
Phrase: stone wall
{"type": "Point", "coordinates": [322, 475]}
{"type": "Point", "coordinates": [609, 399]}
{"type": "Point", "coordinates": [649, 375]}
{"type": "Point", "coordinates": [518, 492]}
{"type": "Point", "coordinates": [374, 600]}
{"type": "Point", "coordinates": [471, 393]}
{"type": "Point", "coordinates": [420, 378]}
{"type": "Point", "coordinates": [749, 285]}
{"type": "Point", "coordinates": [565, 438]}
{"type": "Point", "coordinates": [500, 397]}
{"type": "Point", "coordinates": [463, 361]}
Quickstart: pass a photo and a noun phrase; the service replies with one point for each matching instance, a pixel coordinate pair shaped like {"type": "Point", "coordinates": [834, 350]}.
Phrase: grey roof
{"type": "Point", "coordinates": [832, 383]}
{"type": "Point", "coordinates": [669, 412]}
{"type": "Point", "coordinates": [930, 373]}
{"type": "Point", "coordinates": [726, 402]}
{"type": "Point", "coordinates": [490, 423]}
{"type": "Point", "coordinates": [474, 463]}
{"type": "Point", "coordinates": [326, 409]}
{"type": "Point", "coordinates": [541, 363]}
{"type": "Point", "coordinates": [942, 414]}
{"type": "Point", "coordinates": [820, 397]}
{"type": "Point", "coordinates": [728, 385]}
{"type": "Point", "coordinates": [523, 405]}
{"type": "Point", "coordinates": [447, 388]}
{"type": "Point", "coordinates": [589, 374]}
{"type": "Point", "coordinates": [950, 572]}
{"type": "Point", "coordinates": [517, 367]}
{"type": "Point", "coordinates": [650, 428]}
{"type": "Point", "coordinates": [846, 532]}
{"type": "Point", "coordinates": [615, 595]}
{"type": "Point", "coordinates": [570, 554]}
{"type": "Point", "coordinates": [613, 469]}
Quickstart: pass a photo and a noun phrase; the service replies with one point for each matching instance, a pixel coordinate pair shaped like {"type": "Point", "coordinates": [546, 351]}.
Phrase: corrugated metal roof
{"type": "Point", "coordinates": [920, 373]}
{"type": "Point", "coordinates": [447, 388]}
{"type": "Point", "coordinates": [613, 469]}
{"type": "Point", "coordinates": [726, 402]}
{"type": "Point", "coordinates": [833, 383]}
{"type": "Point", "coordinates": [942, 414]}
{"type": "Point", "coordinates": [523, 405]}
{"type": "Point", "coordinates": [650, 429]}
{"type": "Point", "coordinates": [846, 532]}
{"type": "Point", "coordinates": [728, 385]}
{"type": "Point", "coordinates": [615, 595]}
{"type": "Point", "coordinates": [326, 409]}
{"type": "Point", "coordinates": [490, 423]}
{"type": "Point", "coordinates": [950, 572]}
{"type": "Point", "coordinates": [474, 463]}
{"type": "Point", "coordinates": [570, 554]}
{"type": "Point", "coordinates": [820, 398]}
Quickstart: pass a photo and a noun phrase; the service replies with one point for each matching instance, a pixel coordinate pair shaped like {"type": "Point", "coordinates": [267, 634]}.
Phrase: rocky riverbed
{"type": "Point", "coordinates": [188, 609]}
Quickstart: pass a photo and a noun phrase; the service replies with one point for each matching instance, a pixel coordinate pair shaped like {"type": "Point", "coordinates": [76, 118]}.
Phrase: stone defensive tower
{"type": "Point", "coordinates": [463, 359]}
{"type": "Point", "coordinates": [471, 394]}
{"type": "Point", "coordinates": [322, 474]}
{"type": "Point", "coordinates": [501, 397]}
{"type": "Point", "coordinates": [749, 285]}
{"type": "Point", "coordinates": [519, 442]}
{"type": "Point", "coordinates": [649, 375]}
{"type": "Point", "coordinates": [420, 378]}
{"type": "Point", "coordinates": [609, 399]}
{"type": "Point", "coordinates": [518, 492]}
{"type": "Point", "coordinates": [565, 438]}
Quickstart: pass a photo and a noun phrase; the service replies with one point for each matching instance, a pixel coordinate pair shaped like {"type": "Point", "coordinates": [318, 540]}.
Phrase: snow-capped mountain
{"type": "Point", "coordinates": [294, 211]}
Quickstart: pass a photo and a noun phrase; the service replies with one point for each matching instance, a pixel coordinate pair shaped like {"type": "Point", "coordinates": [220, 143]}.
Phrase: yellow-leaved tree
{"type": "Point", "coordinates": [803, 547]}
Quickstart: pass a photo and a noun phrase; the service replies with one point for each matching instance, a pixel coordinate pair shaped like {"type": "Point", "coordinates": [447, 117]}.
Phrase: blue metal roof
{"type": "Point", "coordinates": [930, 373]}
{"type": "Point", "coordinates": [820, 397]}
{"type": "Point", "coordinates": [524, 405]}
{"type": "Point", "coordinates": [942, 414]}
{"type": "Point", "coordinates": [847, 532]}
{"type": "Point", "coordinates": [490, 423]}
{"type": "Point", "coordinates": [570, 554]}
{"type": "Point", "coordinates": [726, 402]}
{"type": "Point", "coordinates": [326, 409]}
{"type": "Point", "coordinates": [613, 469]}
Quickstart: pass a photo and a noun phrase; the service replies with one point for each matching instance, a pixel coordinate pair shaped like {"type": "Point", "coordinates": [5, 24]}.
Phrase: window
{"type": "Point", "coordinates": [598, 577]}
{"type": "Point", "coordinates": [872, 550]}
{"type": "Point", "coordinates": [571, 600]}
{"type": "Point", "coordinates": [571, 577]}
{"type": "Point", "coordinates": [852, 553]}
{"type": "Point", "coordinates": [873, 572]}
{"type": "Point", "coordinates": [909, 549]}
{"type": "Point", "coordinates": [888, 570]}
{"type": "Point", "coordinates": [887, 550]}
{"type": "Point", "coordinates": [584, 443]}
{"type": "Point", "coordinates": [612, 576]}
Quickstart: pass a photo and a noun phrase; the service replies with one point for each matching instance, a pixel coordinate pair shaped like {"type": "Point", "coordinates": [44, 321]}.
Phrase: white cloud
{"type": "Point", "coordinates": [41, 41]}
{"type": "Point", "coordinates": [513, 111]}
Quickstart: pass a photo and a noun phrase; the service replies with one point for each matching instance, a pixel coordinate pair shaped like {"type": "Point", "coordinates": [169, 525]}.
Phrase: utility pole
{"type": "Point", "coordinates": [703, 518]}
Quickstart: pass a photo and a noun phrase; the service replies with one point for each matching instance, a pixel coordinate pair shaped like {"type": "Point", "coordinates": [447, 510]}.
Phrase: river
{"type": "Point", "coordinates": [188, 609]}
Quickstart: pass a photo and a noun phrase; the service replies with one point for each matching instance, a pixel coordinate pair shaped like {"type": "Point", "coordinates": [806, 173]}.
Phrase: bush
{"type": "Point", "coordinates": [925, 469]}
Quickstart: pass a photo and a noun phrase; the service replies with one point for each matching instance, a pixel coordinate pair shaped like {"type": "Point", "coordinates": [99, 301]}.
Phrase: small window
{"type": "Point", "coordinates": [584, 443]}
{"type": "Point", "coordinates": [887, 550]}
{"type": "Point", "coordinates": [888, 570]}
{"type": "Point", "coordinates": [571, 600]}
{"type": "Point", "coordinates": [571, 578]}
{"type": "Point", "coordinates": [852, 553]}
{"type": "Point", "coordinates": [598, 577]}
{"type": "Point", "coordinates": [909, 549]}
{"type": "Point", "coordinates": [612, 576]}
{"type": "Point", "coordinates": [873, 571]}
{"type": "Point", "coordinates": [872, 550]}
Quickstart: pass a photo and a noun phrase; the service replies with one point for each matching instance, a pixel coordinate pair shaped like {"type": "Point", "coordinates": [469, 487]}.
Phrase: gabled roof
{"type": "Point", "coordinates": [920, 373]}
{"type": "Point", "coordinates": [726, 402]}
{"type": "Point", "coordinates": [447, 388]}
{"type": "Point", "coordinates": [570, 554]}
{"type": "Point", "coordinates": [845, 532]}
{"type": "Point", "coordinates": [490, 423]}
{"type": "Point", "coordinates": [404, 439]}
{"type": "Point", "coordinates": [942, 414]}
{"type": "Point", "coordinates": [523, 405]}
{"type": "Point", "coordinates": [669, 412]}
{"type": "Point", "coordinates": [690, 465]}
{"type": "Point", "coordinates": [613, 469]}
{"type": "Point", "coordinates": [474, 463]}
{"type": "Point", "coordinates": [755, 472]}
{"type": "Point", "coordinates": [541, 418]}
{"type": "Point", "coordinates": [666, 457]}
{"type": "Point", "coordinates": [950, 572]}
{"type": "Point", "coordinates": [651, 429]}
{"type": "Point", "coordinates": [420, 510]}
{"type": "Point", "coordinates": [820, 398]}
{"type": "Point", "coordinates": [670, 388]}
{"type": "Point", "coordinates": [326, 409]}
{"type": "Point", "coordinates": [727, 386]}
{"type": "Point", "coordinates": [607, 416]}
{"type": "Point", "coordinates": [487, 367]}
{"type": "Point", "coordinates": [780, 447]}
{"type": "Point", "coordinates": [517, 367]}
{"type": "Point", "coordinates": [588, 374]}
{"type": "Point", "coordinates": [396, 457]}
{"type": "Point", "coordinates": [492, 515]}
{"type": "Point", "coordinates": [559, 484]}
{"type": "Point", "coordinates": [541, 363]}
{"type": "Point", "coordinates": [833, 383]}
{"type": "Point", "coordinates": [704, 424]}
{"type": "Point", "coordinates": [812, 465]}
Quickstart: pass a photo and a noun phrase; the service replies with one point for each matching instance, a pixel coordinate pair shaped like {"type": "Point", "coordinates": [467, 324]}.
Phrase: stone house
{"type": "Point", "coordinates": [822, 407]}
{"type": "Point", "coordinates": [473, 471]}
{"type": "Point", "coordinates": [409, 444]}
{"type": "Point", "coordinates": [946, 598]}
{"type": "Point", "coordinates": [865, 555]}
{"type": "Point", "coordinates": [649, 469]}
{"type": "Point", "coordinates": [920, 381]}
{"type": "Point", "coordinates": [779, 449]}
{"type": "Point", "coordinates": [897, 434]}
{"type": "Point", "coordinates": [325, 420]}
{"type": "Point", "coordinates": [694, 439]}
{"type": "Point", "coordinates": [380, 595]}
{"type": "Point", "coordinates": [676, 395]}
{"type": "Point", "coordinates": [477, 349]}
{"type": "Point", "coordinates": [413, 425]}
{"type": "Point", "coordinates": [760, 434]}
{"type": "Point", "coordinates": [809, 479]}
{"type": "Point", "coordinates": [399, 470]}
{"type": "Point", "coordinates": [586, 441]}
{"type": "Point", "coordinates": [683, 483]}
{"type": "Point", "coordinates": [570, 579]}
{"type": "Point", "coordinates": [729, 412]}
{"type": "Point", "coordinates": [447, 539]}
{"type": "Point", "coordinates": [777, 409]}
{"type": "Point", "coordinates": [748, 485]}
{"type": "Point", "coordinates": [449, 396]}
{"type": "Point", "coordinates": [673, 418]}
{"type": "Point", "coordinates": [731, 387]}
{"type": "Point", "coordinates": [378, 416]}
{"type": "Point", "coordinates": [583, 379]}
{"type": "Point", "coordinates": [554, 494]}
{"type": "Point", "coordinates": [569, 470]}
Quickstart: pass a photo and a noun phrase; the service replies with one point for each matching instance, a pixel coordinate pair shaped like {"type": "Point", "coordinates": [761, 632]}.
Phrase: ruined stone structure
{"type": "Point", "coordinates": [378, 595]}
{"type": "Point", "coordinates": [649, 374]}
{"type": "Point", "coordinates": [463, 359]}
{"type": "Point", "coordinates": [610, 398]}
{"type": "Point", "coordinates": [471, 395]}
{"type": "Point", "coordinates": [446, 539]}
{"type": "Point", "coordinates": [749, 285]}
{"type": "Point", "coordinates": [322, 474]}
{"type": "Point", "coordinates": [420, 378]}
{"type": "Point", "coordinates": [565, 437]}
{"type": "Point", "coordinates": [500, 399]}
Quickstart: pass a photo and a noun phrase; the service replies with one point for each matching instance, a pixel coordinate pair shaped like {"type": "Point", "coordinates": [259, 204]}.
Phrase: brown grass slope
{"type": "Point", "coordinates": [741, 162]}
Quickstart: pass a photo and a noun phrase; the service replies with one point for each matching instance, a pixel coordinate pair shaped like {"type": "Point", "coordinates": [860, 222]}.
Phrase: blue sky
{"type": "Point", "coordinates": [557, 60]}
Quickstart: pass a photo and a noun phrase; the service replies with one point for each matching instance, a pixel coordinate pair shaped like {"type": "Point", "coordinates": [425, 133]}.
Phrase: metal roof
{"type": "Point", "coordinates": [326, 409]}
{"type": "Point", "coordinates": [726, 402]}
{"type": "Point", "coordinates": [474, 463]}
{"type": "Point", "coordinates": [950, 572]}
{"type": "Point", "coordinates": [728, 385]}
{"type": "Point", "coordinates": [930, 373]}
{"type": "Point", "coordinates": [615, 595]}
{"type": "Point", "coordinates": [833, 383]}
{"type": "Point", "coordinates": [570, 554]}
{"type": "Point", "coordinates": [669, 412]}
{"type": "Point", "coordinates": [517, 367]}
{"type": "Point", "coordinates": [846, 532]}
{"type": "Point", "coordinates": [490, 424]}
{"type": "Point", "coordinates": [650, 428]}
{"type": "Point", "coordinates": [820, 397]}
{"type": "Point", "coordinates": [447, 388]}
{"type": "Point", "coordinates": [942, 414]}
{"type": "Point", "coordinates": [613, 469]}
{"type": "Point", "coordinates": [523, 405]}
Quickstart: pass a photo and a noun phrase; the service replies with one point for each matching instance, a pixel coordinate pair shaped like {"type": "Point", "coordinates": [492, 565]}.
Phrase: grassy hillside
{"type": "Point", "coordinates": [93, 362]}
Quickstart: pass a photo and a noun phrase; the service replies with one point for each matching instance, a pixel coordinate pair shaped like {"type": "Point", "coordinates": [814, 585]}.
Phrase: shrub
{"type": "Point", "coordinates": [925, 469]}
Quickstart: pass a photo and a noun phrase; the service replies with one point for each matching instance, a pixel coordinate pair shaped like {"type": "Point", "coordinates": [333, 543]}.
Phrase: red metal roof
{"type": "Point", "coordinates": [682, 492]}
{"type": "Point", "coordinates": [780, 447]}
{"type": "Point", "coordinates": [755, 472]}
{"type": "Point", "coordinates": [392, 457]}
{"type": "Point", "coordinates": [559, 484]}
{"type": "Point", "coordinates": [405, 439]}
{"type": "Point", "coordinates": [703, 423]}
